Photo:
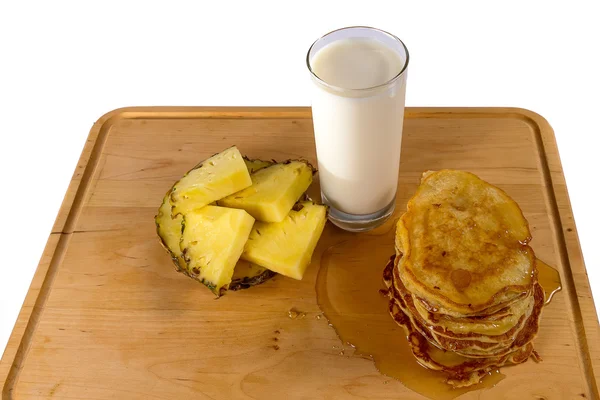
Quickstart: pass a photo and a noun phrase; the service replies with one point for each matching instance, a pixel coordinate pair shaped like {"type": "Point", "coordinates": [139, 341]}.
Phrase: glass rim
{"type": "Point", "coordinates": [361, 90]}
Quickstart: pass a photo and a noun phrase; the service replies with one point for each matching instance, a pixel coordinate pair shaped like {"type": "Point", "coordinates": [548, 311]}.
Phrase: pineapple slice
{"type": "Point", "coordinates": [216, 177]}
{"type": "Point", "coordinates": [286, 247]}
{"type": "Point", "coordinates": [255, 165]}
{"type": "Point", "coordinates": [274, 191]}
{"type": "Point", "coordinates": [169, 232]}
{"type": "Point", "coordinates": [212, 241]}
{"type": "Point", "coordinates": [246, 275]}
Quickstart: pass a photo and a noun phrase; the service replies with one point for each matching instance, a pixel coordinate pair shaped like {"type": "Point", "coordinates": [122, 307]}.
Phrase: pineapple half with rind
{"type": "Point", "coordinates": [286, 247]}
{"type": "Point", "coordinates": [212, 241]}
{"type": "Point", "coordinates": [274, 191]}
{"type": "Point", "coordinates": [214, 178]}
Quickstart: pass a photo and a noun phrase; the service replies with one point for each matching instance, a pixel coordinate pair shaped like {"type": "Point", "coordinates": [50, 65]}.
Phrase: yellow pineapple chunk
{"type": "Point", "coordinates": [286, 247]}
{"type": "Point", "coordinates": [274, 191]}
{"type": "Point", "coordinates": [216, 177]}
{"type": "Point", "coordinates": [212, 241]}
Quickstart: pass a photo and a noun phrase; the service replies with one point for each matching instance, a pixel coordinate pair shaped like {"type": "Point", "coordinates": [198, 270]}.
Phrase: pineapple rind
{"type": "Point", "coordinates": [254, 165]}
{"type": "Point", "coordinates": [169, 233]}
{"type": "Point", "coordinates": [246, 275]}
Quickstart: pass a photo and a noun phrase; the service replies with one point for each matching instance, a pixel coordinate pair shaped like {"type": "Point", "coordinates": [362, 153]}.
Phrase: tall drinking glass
{"type": "Point", "coordinates": [359, 85]}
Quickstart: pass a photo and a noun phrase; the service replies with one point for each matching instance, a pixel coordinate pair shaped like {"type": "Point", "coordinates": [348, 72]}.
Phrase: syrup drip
{"type": "Point", "coordinates": [549, 279]}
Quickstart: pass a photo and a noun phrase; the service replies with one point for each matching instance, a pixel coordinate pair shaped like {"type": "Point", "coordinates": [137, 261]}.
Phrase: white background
{"type": "Point", "coordinates": [63, 65]}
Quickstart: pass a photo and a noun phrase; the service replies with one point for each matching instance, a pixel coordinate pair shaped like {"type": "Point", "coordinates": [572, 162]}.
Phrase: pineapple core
{"type": "Point", "coordinates": [286, 247]}
{"type": "Point", "coordinates": [216, 177]}
{"type": "Point", "coordinates": [212, 241]}
{"type": "Point", "coordinates": [274, 191]}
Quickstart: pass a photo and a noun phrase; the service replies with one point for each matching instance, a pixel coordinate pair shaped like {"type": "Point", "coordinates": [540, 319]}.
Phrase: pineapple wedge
{"type": "Point", "coordinates": [286, 247]}
{"type": "Point", "coordinates": [274, 191]}
{"type": "Point", "coordinates": [214, 178]}
{"type": "Point", "coordinates": [169, 232]}
{"type": "Point", "coordinates": [212, 241]}
{"type": "Point", "coordinates": [255, 165]}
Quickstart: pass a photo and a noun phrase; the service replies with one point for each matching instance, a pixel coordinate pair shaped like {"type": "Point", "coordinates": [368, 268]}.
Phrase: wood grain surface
{"type": "Point", "coordinates": [108, 317]}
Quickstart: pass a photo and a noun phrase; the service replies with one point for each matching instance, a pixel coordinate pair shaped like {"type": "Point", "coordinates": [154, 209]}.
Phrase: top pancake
{"type": "Point", "coordinates": [464, 244]}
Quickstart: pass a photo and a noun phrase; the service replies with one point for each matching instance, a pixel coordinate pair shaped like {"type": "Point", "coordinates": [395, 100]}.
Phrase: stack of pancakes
{"type": "Point", "coordinates": [463, 282]}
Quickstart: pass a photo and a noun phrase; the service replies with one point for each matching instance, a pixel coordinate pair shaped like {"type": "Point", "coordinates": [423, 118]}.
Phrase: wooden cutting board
{"type": "Point", "coordinates": [108, 317]}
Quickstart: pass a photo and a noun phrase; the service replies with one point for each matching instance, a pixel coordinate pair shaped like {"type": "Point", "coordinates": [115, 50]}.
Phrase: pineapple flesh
{"type": "Point", "coordinates": [274, 191]}
{"type": "Point", "coordinates": [169, 232]}
{"type": "Point", "coordinates": [286, 247]}
{"type": "Point", "coordinates": [216, 177]}
{"type": "Point", "coordinates": [212, 241]}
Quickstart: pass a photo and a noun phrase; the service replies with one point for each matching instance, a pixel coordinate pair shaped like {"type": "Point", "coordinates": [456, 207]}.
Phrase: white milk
{"type": "Point", "coordinates": [358, 133]}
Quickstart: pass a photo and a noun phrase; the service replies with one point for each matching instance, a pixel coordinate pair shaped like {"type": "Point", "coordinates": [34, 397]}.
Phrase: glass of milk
{"type": "Point", "coordinates": [359, 85]}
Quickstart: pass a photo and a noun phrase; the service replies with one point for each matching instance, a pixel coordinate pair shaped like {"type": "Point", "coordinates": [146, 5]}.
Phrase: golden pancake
{"type": "Point", "coordinates": [464, 245]}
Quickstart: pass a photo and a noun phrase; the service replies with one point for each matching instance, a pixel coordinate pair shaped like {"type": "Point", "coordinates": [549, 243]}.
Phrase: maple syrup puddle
{"type": "Point", "coordinates": [348, 292]}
